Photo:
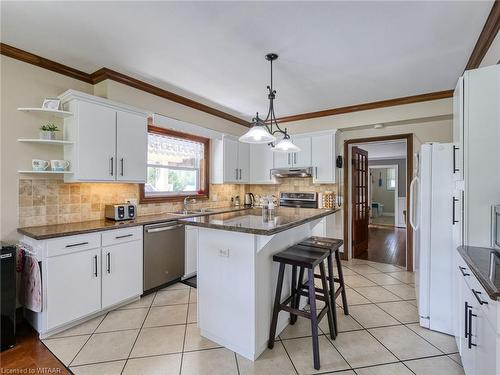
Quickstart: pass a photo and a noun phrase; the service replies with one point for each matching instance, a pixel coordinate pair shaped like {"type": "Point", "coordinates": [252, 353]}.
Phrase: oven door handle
{"type": "Point", "coordinates": [162, 229]}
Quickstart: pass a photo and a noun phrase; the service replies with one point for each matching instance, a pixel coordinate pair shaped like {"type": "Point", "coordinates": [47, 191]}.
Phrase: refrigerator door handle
{"type": "Point", "coordinates": [414, 224]}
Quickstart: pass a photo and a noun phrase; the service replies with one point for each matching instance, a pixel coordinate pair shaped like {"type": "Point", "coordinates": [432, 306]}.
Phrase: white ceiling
{"type": "Point", "coordinates": [332, 54]}
{"type": "Point", "coordinates": [385, 150]}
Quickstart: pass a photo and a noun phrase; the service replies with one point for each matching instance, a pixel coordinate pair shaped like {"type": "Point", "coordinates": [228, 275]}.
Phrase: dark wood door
{"type": "Point", "coordinates": [359, 198]}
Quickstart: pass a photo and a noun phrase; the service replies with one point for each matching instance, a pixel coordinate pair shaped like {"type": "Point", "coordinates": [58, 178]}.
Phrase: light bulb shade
{"type": "Point", "coordinates": [285, 145]}
{"type": "Point", "coordinates": [257, 134]}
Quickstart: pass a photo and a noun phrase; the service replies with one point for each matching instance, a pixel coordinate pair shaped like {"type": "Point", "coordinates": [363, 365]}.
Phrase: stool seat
{"type": "Point", "coordinates": [331, 244]}
{"type": "Point", "coordinates": [301, 256]}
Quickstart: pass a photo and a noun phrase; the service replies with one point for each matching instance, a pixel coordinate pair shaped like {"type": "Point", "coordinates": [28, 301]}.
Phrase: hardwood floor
{"type": "Point", "coordinates": [386, 245]}
{"type": "Point", "coordinates": [30, 353]}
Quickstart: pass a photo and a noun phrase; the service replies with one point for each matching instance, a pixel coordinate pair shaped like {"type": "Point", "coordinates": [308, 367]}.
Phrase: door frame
{"type": "Point", "coordinates": [396, 191]}
{"type": "Point", "coordinates": [409, 174]}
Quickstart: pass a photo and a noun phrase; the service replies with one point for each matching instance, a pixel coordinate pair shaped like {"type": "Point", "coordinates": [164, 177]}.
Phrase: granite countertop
{"type": "Point", "coordinates": [251, 220]}
{"type": "Point", "coordinates": [45, 232]}
{"type": "Point", "coordinates": [485, 265]}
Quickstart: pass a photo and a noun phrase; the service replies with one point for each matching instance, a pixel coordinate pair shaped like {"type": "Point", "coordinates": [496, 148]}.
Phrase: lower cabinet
{"type": "Point", "coordinates": [73, 287]}
{"type": "Point", "coordinates": [476, 334]}
{"type": "Point", "coordinates": [121, 272]}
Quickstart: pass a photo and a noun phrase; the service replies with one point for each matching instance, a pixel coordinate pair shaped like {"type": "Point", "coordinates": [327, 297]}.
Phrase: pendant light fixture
{"type": "Point", "coordinates": [263, 131]}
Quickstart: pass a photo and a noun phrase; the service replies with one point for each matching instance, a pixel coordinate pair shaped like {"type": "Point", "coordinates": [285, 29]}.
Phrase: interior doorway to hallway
{"type": "Point", "coordinates": [377, 175]}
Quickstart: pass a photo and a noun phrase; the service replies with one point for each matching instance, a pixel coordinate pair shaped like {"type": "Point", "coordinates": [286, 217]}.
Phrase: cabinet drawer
{"type": "Point", "coordinates": [71, 244]}
{"type": "Point", "coordinates": [113, 237]}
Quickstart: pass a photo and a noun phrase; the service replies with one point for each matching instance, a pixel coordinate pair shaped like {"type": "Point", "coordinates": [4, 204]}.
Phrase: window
{"type": "Point", "coordinates": [177, 166]}
{"type": "Point", "coordinates": [391, 178]}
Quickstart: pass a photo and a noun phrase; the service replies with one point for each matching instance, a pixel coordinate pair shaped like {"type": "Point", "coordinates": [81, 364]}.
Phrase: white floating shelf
{"type": "Point", "coordinates": [47, 112]}
{"type": "Point", "coordinates": [46, 141]}
{"type": "Point", "coordinates": [46, 172]}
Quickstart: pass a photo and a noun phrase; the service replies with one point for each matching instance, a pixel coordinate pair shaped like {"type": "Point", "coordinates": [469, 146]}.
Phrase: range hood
{"type": "Point", "coordinates": [292, 172]}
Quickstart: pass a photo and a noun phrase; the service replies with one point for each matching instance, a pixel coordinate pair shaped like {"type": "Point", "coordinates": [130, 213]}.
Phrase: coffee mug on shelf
{"type": "Point", "coordinates": [59, 165]}
{"type": "Point", "coordinates": [39, 165]}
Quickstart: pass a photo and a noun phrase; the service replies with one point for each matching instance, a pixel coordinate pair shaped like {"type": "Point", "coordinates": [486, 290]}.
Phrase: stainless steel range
{"type": "Point", "coordinates": [299, 199]}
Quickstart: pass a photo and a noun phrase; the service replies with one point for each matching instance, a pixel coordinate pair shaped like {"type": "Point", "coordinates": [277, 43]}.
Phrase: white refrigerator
{"type": "Point", "coordinates": [432, 211]}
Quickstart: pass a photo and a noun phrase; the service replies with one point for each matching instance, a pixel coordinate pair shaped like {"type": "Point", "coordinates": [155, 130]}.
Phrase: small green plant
{"type": "Point", "coordinates": [49, 127]}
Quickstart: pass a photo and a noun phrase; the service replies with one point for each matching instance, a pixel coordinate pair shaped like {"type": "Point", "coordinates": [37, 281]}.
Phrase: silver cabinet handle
{"type": "Point", "coordinates": [236, 172]}
{"type": "Point", "coordinates": [111, 168]}
{"type": "Point", "coordinates": [316, 171]}
{"type": "Point", "coordinates": [288, 159]}
{"type": "Point", "coordinates": [121, 162]}
{"type": "Point", "coordinates": [294, 158]}
{"type": "Point", "coordinates": [108, 261]}
{"type": "Point", "coordinates": [124, 236]}
{"type": "Point", "coordinates": [240, 173]}
{"type": "Point", "coordinates": [162, 229]}
{"type": "Point", "coordinates": [77, 244]}
{"type": "Point", "coordinates": [95, 266]}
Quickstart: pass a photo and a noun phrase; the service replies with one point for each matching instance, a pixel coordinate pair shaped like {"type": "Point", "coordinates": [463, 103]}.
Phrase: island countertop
{"type": "Point", "coordinates": [251, 220]}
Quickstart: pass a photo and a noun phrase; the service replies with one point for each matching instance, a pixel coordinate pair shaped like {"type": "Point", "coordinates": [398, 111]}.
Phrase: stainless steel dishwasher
{"type": "Point", "coordinates": [163, 254]}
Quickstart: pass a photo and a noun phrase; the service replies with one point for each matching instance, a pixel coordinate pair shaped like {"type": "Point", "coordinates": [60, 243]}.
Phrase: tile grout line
{"type": "Point", "coordinates": [288, 354]}
{"type": "Point", "coordinates": [185, 330]}
{"type": "Point", "coordinates": [136, 337]}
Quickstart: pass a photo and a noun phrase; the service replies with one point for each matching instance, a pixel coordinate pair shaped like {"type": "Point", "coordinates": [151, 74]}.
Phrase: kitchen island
{"type": "Point", "coordinates": [237, 276]}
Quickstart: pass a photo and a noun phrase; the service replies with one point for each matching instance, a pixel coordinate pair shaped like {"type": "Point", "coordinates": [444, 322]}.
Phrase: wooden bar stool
{"type": "Point", "coordinates": [307, 258]}
{"type": "Point", "coordinates": [331, 245]}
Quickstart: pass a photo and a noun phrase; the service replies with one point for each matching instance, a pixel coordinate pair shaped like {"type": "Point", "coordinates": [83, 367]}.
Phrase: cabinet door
{"type": "Point", "coordinates": [282, 159]}
{"type": "Point", "coordinates": [261, 164]}
{"type": "Point", "coordinates": [131, 146]}
{"type": "Point", "coordinates": [191, 251]}
{"type": "Point", "coordinates": [243, 162]}
{"type": "Point", "coordinates": [73, 286]}
{"type": "Point", "coordinates": [458, 130]}
{"type": "Point", "coordinates": [484, 337]}
{"type": "Point", "coordinates": [121, 272]}
{"type": "Point", "coordinates": [323, 158]}
{"type": "Point", "coordinates": [231, 172]}
{"type": "Point", "coordinates": [303, 157]}
{"type": "Point", "coordinates": [96, 143]}
{"type": "Point", "coordinates": [468, 354]}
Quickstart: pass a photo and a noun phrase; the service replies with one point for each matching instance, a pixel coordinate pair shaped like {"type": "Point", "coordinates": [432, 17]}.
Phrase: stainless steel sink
{"type": "Point", "coordinates": [193, 212]}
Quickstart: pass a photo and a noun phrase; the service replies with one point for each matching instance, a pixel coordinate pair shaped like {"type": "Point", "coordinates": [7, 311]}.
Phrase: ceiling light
{"type": "Point", "coordinates": [263, 131]}
{"type": "Point", "coordinates": [285, 145]}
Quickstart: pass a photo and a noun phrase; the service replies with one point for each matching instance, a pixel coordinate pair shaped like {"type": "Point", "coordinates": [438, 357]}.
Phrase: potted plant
{"type": "Point", "coordinates": [48, 131]}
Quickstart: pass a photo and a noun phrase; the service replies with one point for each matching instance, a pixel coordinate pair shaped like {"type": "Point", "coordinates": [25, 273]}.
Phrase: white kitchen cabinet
{"type": "Point", "coordinates": [131, 147]}
{"type": "Point", "coordinates": [458, 131]}
{"type": "Point", "coordinates": [243, 162]}
{"type": "Point", "coordinates": [297, 159]}
{"type": "Point", "coordinates": [191, 249]}
{"type": "Point", "coordinates": [230, 161]}
{"type": "Point", "coordinates": [323, 158]}
{"type": "Point", "coordinates": [261, 164]}
{"type": "Point", "coordinates": [121, 272]}
{"type": "Point", "coordinates": [110, 139]}
{"type": "Point", "coordinates": [302, 158]}
{"type": "Point", "coordinates": [73, 285]}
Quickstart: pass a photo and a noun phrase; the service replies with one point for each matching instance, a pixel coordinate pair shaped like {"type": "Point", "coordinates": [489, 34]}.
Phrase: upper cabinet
{"type": "Point", "coordinates": [298, 159]}
{"type": "Point", "coordinates": [323, 157]}
{"type": "Point", "coordinates": [261, 157]}
{"type": "Point", "coordinates": [230, 161]}
{"type": "Point", "coordinates": [110, 139]}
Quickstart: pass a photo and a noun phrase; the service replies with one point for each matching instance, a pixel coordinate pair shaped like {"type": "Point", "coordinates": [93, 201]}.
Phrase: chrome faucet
{"type": "Point", "coordinates": [186, 202]}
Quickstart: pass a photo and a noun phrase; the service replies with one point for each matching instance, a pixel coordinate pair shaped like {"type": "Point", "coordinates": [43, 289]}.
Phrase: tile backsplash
{"type": "Point", "coordinates": [43, 202]}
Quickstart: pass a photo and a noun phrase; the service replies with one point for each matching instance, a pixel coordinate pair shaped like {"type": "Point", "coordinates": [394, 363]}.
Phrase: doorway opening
{"type": "Point", "coordinates": [377, 175]}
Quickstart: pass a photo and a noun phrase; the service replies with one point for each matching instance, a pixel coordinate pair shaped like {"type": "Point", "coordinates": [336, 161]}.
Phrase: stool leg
{"type": "Point", "coordinates": [276, 309]}
{"type": "Point", "coordinates": [328, 300]}
{"type": "Point", "coordinates": [314, 318]}
{"type": "Point", "coordinates": [342, 284]}
{"type": "Point", "coordinates": [299, 288]}
{"type": "Point", "coordinates": [332, 294]}
{"type": "Point", "coordinates": [293, 317]}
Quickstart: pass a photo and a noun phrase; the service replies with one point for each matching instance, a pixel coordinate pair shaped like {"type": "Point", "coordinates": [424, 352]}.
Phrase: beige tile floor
{"type": "Point", "coordinates": [158, 335]}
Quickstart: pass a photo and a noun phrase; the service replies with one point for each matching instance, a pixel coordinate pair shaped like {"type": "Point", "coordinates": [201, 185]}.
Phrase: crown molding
{"type": "Point", "coordinates": [488, 34]}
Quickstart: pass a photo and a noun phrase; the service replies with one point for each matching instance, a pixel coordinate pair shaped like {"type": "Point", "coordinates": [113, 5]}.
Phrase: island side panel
{"type": "Point", "coordinates": [266, 276]}
{"type": "Point", "coordinates": [226, 289]}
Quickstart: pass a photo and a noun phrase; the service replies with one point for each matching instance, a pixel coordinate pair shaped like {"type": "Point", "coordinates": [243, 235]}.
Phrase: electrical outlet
{"type": "Point", "coordinates": [215, 198]}
{"type": "Point", "coordinates": [224, 253]}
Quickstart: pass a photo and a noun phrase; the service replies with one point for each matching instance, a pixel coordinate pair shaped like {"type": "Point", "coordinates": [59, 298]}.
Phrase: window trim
{"type": "Point", "coordinates": [204, 194]}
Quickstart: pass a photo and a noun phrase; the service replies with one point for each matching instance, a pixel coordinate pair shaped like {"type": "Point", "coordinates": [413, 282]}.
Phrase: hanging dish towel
{"type": "Point", "coordinates": [32, 284]}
